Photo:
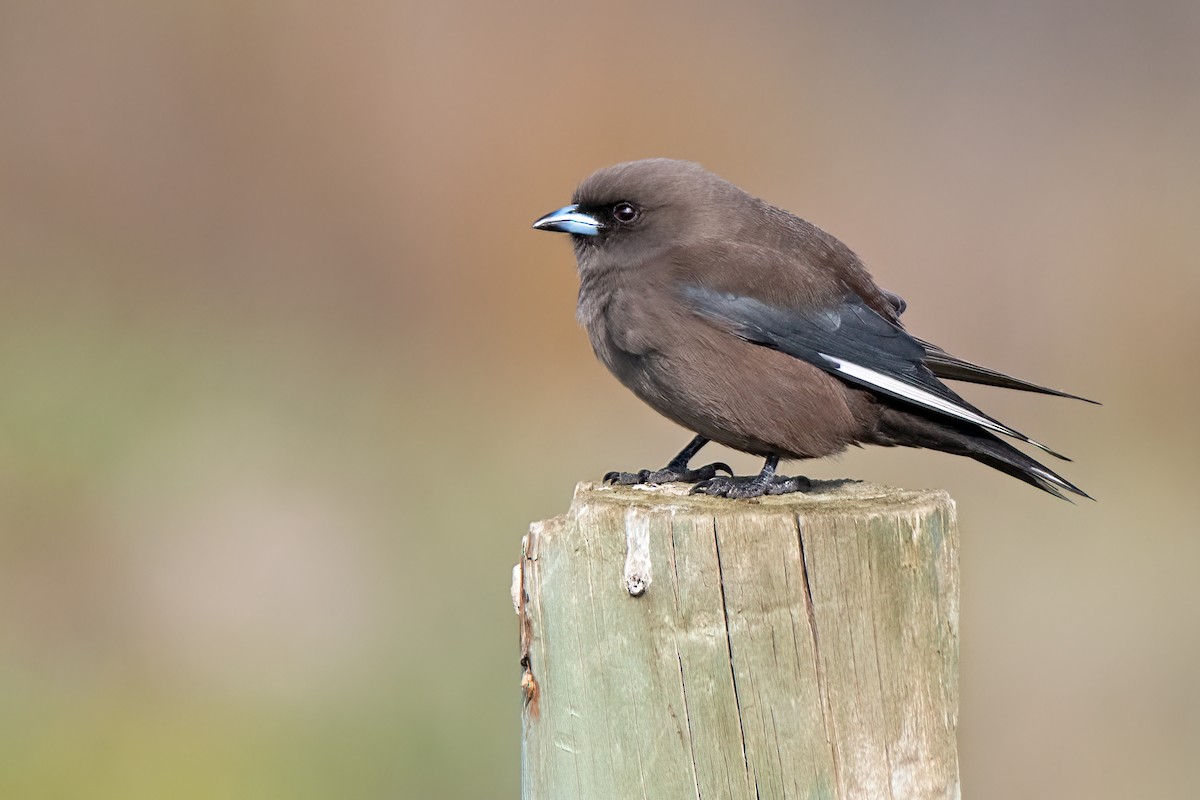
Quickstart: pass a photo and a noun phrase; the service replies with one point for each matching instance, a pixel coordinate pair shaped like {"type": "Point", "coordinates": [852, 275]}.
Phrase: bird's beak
{"type": "Point", "coordinates": [569, 219]}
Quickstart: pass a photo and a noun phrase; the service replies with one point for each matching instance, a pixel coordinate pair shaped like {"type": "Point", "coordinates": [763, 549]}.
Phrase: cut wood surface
{"type": "Point", "coordinates": [798, 646]}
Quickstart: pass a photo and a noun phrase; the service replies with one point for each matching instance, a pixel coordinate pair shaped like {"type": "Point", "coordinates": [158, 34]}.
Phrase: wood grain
{"type": "Point", "coordinates": [800, 646]}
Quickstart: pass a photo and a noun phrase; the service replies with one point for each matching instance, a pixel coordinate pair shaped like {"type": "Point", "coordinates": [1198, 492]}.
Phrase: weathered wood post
{"type": "Point", "coordinates": [800, 646]}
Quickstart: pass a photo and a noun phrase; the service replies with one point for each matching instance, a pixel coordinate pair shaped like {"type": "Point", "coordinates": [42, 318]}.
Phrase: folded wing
{"type": "Point", "coordinates": [952, 368]}
{"type": "Point", "coordinates": [944, 365]}
{"type": "Point", "coordinates": [858, 345]}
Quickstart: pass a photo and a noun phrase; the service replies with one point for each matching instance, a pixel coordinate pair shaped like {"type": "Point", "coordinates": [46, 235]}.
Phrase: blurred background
{"type": "Point", "coordinates": [285, 375]}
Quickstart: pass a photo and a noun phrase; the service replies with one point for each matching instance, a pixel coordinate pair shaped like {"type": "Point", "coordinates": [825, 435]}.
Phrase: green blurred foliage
{"type": "Point", "coordinates": [284, 374]}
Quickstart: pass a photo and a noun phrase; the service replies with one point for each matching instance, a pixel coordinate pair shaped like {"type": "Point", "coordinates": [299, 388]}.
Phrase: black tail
{"type": "Point", "coordinates": [917, 428]}
{"type": "Point", "coordinates": [1001, 455]}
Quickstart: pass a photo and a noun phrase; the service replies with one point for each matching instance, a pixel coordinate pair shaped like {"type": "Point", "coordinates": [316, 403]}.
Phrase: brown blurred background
{"type": "Point", "coordinates": [284, 373]}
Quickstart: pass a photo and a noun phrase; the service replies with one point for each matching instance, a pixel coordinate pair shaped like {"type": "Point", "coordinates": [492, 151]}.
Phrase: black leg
{"type": "Point", "coordinates": [765, 482]}
{"type": "Point", "coordinates": [677, 470]}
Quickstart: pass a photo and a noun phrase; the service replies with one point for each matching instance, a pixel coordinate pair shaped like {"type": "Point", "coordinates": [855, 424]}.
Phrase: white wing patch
{"type": "Point", "coordinates": [921, 397]}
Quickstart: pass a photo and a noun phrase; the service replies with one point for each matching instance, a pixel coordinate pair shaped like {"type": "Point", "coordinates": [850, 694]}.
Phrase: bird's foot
{"type": "Point", "coordinates": [668, 474]}
{"type": "Point", "coordinates": [756, 486]}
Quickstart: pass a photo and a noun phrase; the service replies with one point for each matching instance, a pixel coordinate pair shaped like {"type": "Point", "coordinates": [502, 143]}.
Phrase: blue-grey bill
{"type": "Point", "coordinates": [569, 219]}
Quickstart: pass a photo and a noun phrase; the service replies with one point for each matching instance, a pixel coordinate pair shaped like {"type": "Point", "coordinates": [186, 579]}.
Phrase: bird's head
{"type": "Point", "coordinates": [627, 214]}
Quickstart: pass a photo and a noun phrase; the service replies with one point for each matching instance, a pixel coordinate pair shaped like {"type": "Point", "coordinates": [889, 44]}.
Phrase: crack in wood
{"type": "Point", "coordinates": [818, 664]}
{"type": "Point", "coordinates": [529, 686]}
{"type": "Point", "coordinates": [687, 717]}
{"type": "Point", "coordinates": [737, 699]}
{"type": "Point", "coordinates": [879, 667]}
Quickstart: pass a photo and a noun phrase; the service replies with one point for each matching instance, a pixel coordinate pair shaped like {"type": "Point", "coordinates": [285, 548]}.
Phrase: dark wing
{"type": "Point", "coordinates": [951, 368]}
{"type": "Point", "coordinates": [944, 365]}
{"type": "Point", "coordinates": [850, 341]}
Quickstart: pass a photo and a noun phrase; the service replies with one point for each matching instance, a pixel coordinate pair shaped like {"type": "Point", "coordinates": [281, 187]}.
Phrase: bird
{"type": "Point", "coordinates": [755, 329]}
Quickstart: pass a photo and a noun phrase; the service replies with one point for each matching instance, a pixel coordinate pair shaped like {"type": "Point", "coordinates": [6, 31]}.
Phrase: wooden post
{"type": "Point", "coordinates": [800, 646]}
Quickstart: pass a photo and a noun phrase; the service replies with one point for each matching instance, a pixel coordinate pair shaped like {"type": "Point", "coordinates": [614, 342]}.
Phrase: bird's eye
{"type": "Point", "coordinates": [625, 212]}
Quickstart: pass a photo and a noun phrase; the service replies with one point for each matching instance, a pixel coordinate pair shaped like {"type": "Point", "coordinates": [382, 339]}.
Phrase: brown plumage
{"type": "Point", "coordinates": [756, 329]}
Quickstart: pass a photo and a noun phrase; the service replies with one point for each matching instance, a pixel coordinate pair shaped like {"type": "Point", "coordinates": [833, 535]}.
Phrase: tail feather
{"type": "Point", "coordinates": [916, 428]}
{"type": "Point", "coordinates": [998, 454]}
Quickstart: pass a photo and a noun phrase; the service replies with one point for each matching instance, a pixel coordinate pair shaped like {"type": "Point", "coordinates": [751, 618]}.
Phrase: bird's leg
{"type": "Point", "coordinates": [765, 482]}
{"type": "Point", "coordinates": [677, 470]}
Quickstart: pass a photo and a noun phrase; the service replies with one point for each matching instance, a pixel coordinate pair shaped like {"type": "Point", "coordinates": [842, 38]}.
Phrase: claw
{"type": "Point", "coordinates": [746, 488]}
{"type": "Point", "coordinates": [666, 475]}
{"type": "Point", "coordinates": [710, 471]}
{"type": "Point", "coordinates": [719, 486]}
{"type": "Point", "coordinates": [784, 485]}
{"type": "Point", "coordinates": [628, 478]}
